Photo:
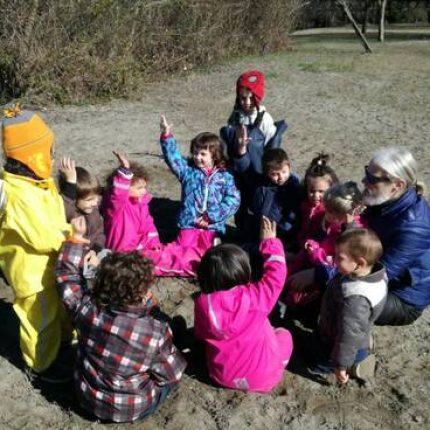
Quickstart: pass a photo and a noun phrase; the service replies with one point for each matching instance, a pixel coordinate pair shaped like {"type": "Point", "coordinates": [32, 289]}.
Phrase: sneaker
{"type": "Point", "coordinates": [57, 373]}
{"type": "Point", "coordinates": [365, 370]}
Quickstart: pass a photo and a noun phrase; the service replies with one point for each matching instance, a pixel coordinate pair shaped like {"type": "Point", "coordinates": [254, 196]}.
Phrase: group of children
{"type": "Point", "coordinates": [126, 360]}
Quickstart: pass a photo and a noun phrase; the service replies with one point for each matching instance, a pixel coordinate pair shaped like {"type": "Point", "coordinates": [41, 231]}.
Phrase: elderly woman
{"type": "Point", "coordinates": [400, 216]}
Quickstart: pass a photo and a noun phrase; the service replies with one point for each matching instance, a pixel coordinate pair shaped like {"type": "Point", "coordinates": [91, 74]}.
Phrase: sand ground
{"type": "Point", "coordinates": [335, 99]}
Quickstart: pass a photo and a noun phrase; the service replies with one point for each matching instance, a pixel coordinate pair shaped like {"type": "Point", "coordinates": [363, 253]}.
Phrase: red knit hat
{"type": "Point", "coordinates": [253, 80]}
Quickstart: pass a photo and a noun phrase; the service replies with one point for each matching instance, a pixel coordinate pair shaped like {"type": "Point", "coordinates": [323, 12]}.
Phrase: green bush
{"type": "Point", "coordinates": [73, 51]}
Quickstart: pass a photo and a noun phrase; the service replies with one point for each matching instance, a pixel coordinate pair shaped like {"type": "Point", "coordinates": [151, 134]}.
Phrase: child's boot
{"type": "Point", "coordinates": [365, 370]}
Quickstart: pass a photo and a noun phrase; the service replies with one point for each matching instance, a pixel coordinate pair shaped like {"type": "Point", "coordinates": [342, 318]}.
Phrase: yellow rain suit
{"type": "Point", "coordinates": [32, 229]}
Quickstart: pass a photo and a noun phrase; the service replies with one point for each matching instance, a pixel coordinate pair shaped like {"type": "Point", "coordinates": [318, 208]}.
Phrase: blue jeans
{"type": "Point", "coordinates": [165, 390]}
{"type": "Point", "coordinates": [324, 363]}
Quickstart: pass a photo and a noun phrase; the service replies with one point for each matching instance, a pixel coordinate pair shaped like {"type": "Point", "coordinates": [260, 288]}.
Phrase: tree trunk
{"type": "Point", "coordinates": [381, 29]}
{"type": "Point", "coordinates": [344, 5]}
{"type": "Point", "coordinates": [365, 17]}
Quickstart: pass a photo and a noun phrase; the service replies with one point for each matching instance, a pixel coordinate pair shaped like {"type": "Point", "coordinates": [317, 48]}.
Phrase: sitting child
{"type": "Point", "coordinates": [277, 198]}
{"type": "Point", "coordinates": [80, 191]}
{"type": "Point", "coordinates": [129, 225]}
{"type": "Point", "coordinates": [209, 198]}
{"type": "Point", "coordinates": [250, 130]}
{"type": "Point", "coordinates": [126, 363]}
{"type": "Point", "coordinates": [343, 205]}
{"type": "Point", "coordinates": [243, 350]}
{"type": "Point", "coordinates": [351, 303]}
{"type": "Point", "coordinates": [319, 177]}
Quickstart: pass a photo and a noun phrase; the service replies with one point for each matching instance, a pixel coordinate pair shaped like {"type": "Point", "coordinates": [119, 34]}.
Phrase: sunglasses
{"type": "Point", "coordinates": [372, 179]}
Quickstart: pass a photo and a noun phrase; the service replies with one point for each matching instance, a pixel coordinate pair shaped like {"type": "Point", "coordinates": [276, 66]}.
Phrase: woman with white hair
{"type": "Point", "coordinates": [400, 216]}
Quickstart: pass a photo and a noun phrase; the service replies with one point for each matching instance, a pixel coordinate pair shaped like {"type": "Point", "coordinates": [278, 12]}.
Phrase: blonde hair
{"type": "Point", "coordinates": [343, 198]}
{"type": "Point", "coordinates": [399, 163]}
{"type": "Point", "coordinates": [361, 243]}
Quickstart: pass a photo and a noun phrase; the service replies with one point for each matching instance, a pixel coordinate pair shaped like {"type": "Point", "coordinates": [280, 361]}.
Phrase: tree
{"type": "Point", "coordinates": [344, 5]}
{"type": "Point", "coordinates": [381, 27]}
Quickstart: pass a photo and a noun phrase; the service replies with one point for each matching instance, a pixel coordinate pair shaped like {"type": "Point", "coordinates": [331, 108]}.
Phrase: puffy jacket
{"type": "Point", "coordinates": [128, 222]}
{"type": "Point", "coordinates": [403, 226]}
{"type": "Point", "coordinates": [280, 203]}
{"type": "Point", "coordinates": [213, 195]}
{"type": "Point", "coordinates": [349, 308]}
{"type": "Point", "coordinates": [242, 349]}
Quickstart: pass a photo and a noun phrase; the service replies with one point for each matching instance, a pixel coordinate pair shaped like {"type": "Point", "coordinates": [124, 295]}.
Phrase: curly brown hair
{"type": "Point", "coordinates": [122, 279]}
{"type": "Point", "coordinates": [139, 172]}
{"type": "Point", "coordinates": [214, 144]}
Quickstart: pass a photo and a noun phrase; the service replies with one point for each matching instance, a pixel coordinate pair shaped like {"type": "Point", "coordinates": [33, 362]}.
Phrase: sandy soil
{"type": "Point", "coordinates": [335, 99]}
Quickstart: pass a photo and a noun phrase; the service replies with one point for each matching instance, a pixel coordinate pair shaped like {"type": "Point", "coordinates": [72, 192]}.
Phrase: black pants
{"type": "Point", "coordinates": [396, 312]}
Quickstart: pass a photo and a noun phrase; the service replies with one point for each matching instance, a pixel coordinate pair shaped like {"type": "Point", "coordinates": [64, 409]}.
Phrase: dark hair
{"type": "Point", "coordinates": [223, 267]}
{"type": "Point", "coordinates": [16, 167]}
{"type": "Point", "coordinates": [122, 279]}
{"type": "Point", "coordinates": [214, 144]}
{"type": "Point", "coordinates": [361, 242]}
{"type": "Point", "coordinates": [86, 183]}
{"type": "Point", "coordinates": [319, 168]}
{"type": "Point", "coordinates": [274, 159]}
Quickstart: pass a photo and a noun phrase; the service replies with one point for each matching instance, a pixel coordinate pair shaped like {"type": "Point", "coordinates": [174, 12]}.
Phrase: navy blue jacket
{"type": "Point", "coordinates": [280, 203]}
{"type": "Point", "coordinates": [404, 229]}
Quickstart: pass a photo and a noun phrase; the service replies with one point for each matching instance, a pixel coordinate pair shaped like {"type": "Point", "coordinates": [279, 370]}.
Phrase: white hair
{"type": "Point", "coordinates": [398, 163]}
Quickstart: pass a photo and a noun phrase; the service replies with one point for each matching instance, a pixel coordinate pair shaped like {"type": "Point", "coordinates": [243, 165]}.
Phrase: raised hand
{"type": "Point", "coordinates": [165, 128]}
{"type": "Point", "coordinates": [121, 159]}
{"type": "Point", "coordinates": [267, 228]}
{"type": "Point", "coordinates": [68, 169]}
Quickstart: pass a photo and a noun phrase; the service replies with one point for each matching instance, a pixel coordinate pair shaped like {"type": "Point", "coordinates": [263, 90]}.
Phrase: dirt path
{"type": "Point", "coordinates": [335, 99]}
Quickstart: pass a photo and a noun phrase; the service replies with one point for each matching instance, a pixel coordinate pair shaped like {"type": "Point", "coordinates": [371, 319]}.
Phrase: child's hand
{"type": "Point", "coordinates": [164, 127]}
{"type": "Point", "coordinates": [341, 376]}
{"type": "Point", "coordinates": [202, 222]}
{"type": "Point", "coordinates": [68, 169]}
{"type": "Point", "coordinates": [91, 258]}
{"type": "Point", "coordinates": [267, 228]}
{"type": "Point", "coordinates": [79, 228]}
{"type": "Point", "coordinates": [311, 246]}
{"type": "Point", "coordinates": [121, 159]}
{"type": "Point", "coordinates": [243, 139]}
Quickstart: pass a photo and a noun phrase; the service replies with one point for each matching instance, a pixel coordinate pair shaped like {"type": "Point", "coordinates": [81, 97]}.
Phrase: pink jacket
{"type": "Point", "coordinates": [311, 217]}
{"type": "Point", "coordinates": [243, 350]}
{"type": "Point", "coordinates": [128, 223]}
{"type": "Point", "coordinates": [322, 252]}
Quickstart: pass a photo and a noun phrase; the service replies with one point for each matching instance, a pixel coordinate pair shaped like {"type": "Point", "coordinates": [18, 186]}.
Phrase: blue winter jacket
{"type": "Point", "coordinates": [214, 195]}
{"type": "Point", "coordinates": [404, 229]}
{"type": "Point", "coordinates": [280, 203]}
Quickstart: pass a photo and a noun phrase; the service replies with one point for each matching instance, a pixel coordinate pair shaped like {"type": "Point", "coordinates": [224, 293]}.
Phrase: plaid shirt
{"type": "Point", "coordinates": [125, 355]}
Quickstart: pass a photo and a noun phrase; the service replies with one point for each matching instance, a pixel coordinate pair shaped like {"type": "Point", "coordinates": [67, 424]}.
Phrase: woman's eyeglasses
{"type": "Point", "coordinates": [372, 179]}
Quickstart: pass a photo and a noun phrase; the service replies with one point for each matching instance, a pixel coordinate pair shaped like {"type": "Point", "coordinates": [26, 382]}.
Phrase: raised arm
{"type": "Point", "coordinates": [177, 164]}
{"type": "Point", "coordinates": [265, 293]}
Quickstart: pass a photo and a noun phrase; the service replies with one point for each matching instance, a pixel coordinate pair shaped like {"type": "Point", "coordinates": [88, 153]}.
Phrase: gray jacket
{"type": "Point", "coordinates": [349, 308]}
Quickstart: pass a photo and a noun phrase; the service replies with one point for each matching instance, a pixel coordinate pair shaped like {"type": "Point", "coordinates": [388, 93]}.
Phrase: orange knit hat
{"type": "Point", "coordinates": [28, 139]}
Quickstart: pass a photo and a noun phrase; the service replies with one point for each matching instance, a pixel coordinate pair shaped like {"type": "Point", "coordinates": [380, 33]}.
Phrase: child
{"type": "Point", "coordinates": [351, 303]}
{"type": "Point", "coordinates": [129, 225]}
{"type": "Point", "coordinates": [243, 350]}
{"type": "Point", "coordinates": [278, 198]}
{"type": "Point", "coordinates": [343, 205]}
{"type": "Point", "coordinates": [127, 363]}
{"type": "Point", "coordinates": [80, 191]}
{"type": "Point", "coordinates": [250, 130]}
{"type": "Point", "coordinates": [32, 228]}
{"type": "Point", "coordinates": [319, 177]}
{"type": "Point", "coordinates": [209, 196]}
